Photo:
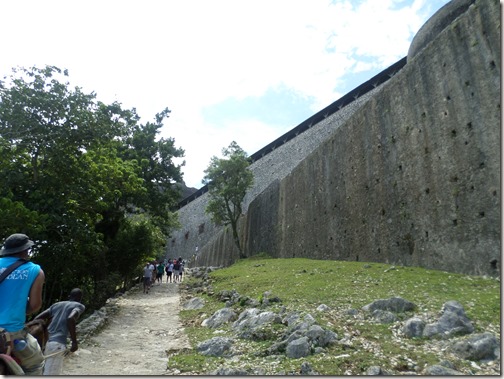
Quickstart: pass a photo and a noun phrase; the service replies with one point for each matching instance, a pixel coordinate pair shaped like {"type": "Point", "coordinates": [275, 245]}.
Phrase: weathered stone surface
{"type": "Point", "coordinates": [194, 303]}
{"type": "Point", "coordinates": [394, 304]}
{"type": "Point", "coordinates": [440, 20]}
{"type": "Point", "coordinates": [384, 317]}
{"type": "Point", "coordinates": [220, 317]}
{"type": "Point", "coordinates": [413, 327]}
{"type": "Point", "coordinates": [377, 370]}
{"type": "Point", "coordinates": [477, 347]}
{"type": "Point", "coordinates": [216, 346]}
{"type": "Point", "coordinates": [438, 370]}
{"type": "Point", "coordinates": [408, 174]}
{"type": "Point", "coordinates": [323, 308]}
{"type": "Point", "coordinates": [298, 348]}
{"type": "Point", "coordinates": [453, 321]}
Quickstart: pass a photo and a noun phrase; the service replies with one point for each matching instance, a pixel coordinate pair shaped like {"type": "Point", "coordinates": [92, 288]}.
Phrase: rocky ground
{"type": "Point", "coordinates": [138, 332]}
{"type": "Point", "coordinates": [135, 333]}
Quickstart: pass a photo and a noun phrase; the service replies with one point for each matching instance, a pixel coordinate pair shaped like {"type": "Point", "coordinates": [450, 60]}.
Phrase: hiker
{"type": "Point", "coordinates": [176, 272]}
{"type": "Point", "coordinates": [147, 275]}
{"type": "Point", "coordinates": [153, 273]}
{"type": "Point", "coordinates": [169, 271]}
{"type": "Point", "coordinates": [63, 315]}
{"type": "Point", "coordinates": [24, 282]}
{"type": "Point", "coordinates": [181, 270]}
{"type": "Point", "coordinates": [160, 272]}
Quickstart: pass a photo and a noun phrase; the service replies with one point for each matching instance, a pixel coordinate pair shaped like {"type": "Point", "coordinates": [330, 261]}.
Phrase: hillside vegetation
{"type": "Point", "coordinates": [302, 285]}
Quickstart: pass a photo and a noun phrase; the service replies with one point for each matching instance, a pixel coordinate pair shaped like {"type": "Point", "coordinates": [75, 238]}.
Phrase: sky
{"type": "Point", "coordinates": [229, 70]}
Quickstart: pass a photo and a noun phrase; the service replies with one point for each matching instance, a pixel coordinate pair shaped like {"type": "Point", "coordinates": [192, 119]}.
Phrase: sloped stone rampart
{"type": "Point", "coordinates": [410, 175]}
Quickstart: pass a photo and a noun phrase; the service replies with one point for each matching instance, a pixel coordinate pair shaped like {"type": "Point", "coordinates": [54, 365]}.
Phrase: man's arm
{"type": "Point", "coordinates": [71, 322]}
{"type": "Point", "coordinates": [44, 315]}
{"type": "Point", "coordinates": [35, 301]}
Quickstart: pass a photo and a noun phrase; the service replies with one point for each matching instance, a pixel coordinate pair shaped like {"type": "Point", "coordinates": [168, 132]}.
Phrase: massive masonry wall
{"type": "Point", "coordinates": [410, 175]}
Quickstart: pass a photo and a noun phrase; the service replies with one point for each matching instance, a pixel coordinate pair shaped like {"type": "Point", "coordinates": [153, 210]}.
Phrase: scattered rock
{"type": "Point", "coordinates": [394, 304]}
{"type": "Point", "coordinates": [194, 303]}
{"type": "Point", "coordinates": [306, 369]}
{"type": "Point", "coordinates": [483, 346]}
{"type": "Point", "coordinates": [453, 321]}
{"type": "Point", "coordinates": [220, 317]}
{"type": "Point", "coordinates": [438, 370]}
{"type": "Point", "coordinates": [414, 327]}
{"type": "Point", "coordinates": [215, 347]}
{"type": "Point", "coordinates": [323, 308]}
{"type": "Point", "coordinates": [384, 317]}
{"type": "Point", "coordinates": [376, 370]}
{"type": "Point", "coordinates": [298, 348]}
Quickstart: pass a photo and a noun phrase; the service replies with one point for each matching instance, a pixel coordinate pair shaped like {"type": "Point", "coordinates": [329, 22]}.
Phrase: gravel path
{"type": "Point", "coordinates": [136, 339]}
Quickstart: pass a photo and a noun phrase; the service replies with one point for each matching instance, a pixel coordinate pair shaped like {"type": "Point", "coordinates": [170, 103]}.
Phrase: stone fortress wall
{"type": "Point", "coordinates": [407, 173]}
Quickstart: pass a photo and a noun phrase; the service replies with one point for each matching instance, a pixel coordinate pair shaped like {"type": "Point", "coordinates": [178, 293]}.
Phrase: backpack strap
{"type": "Point", "coordinates": [11, 268]}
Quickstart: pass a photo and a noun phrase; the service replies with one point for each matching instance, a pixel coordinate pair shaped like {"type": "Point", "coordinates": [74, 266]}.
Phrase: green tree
{"type": "Point", "coordinates": [75, 174]}
{"type": "Point", "coordinates": [228, 180]}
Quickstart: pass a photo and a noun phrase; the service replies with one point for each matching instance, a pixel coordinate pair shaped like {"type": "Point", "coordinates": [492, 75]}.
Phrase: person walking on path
{"type": "Point", "coordinates": [176, 272]}
{"type": "Point", "coordinates": [160, 272]}
{"type": "Point", "coordinates": [169, 272]}
{"type": "Point", "coordinates": [181, 270]}
{"type": "Point", "coordinates": [63, 315]}
{"type": "Point", "coordinates": [24, 282]}
{"type": "Point", "coordinates": [147, 276]}
{"type": "Point", "coordinates": [130, 340]}
{"type": "Point", "coordinates": [153, 273]}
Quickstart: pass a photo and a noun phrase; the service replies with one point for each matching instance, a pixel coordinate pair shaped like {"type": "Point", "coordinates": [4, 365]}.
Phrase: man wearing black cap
{"type": "Point", "coordinates": [21, 295]}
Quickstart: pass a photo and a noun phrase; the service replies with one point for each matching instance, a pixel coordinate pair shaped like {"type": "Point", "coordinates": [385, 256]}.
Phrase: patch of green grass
{"type": "Point", "coordinates": [303, 284]}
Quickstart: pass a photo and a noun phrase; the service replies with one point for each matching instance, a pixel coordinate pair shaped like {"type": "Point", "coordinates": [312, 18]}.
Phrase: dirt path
{"type": "Point", "coordinates": [135, 340]}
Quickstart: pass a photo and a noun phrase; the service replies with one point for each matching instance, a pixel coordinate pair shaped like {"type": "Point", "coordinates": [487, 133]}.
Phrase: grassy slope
{"type": "Point", "coordinates": [304, 284]}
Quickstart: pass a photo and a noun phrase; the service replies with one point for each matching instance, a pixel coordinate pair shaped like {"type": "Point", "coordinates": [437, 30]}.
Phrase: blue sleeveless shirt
{"type": "Point", "coordinates": [14, 293]}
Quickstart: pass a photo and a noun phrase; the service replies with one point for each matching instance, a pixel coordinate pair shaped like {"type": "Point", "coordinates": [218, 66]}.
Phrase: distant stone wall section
{"type": "Point", "coordinates": [408, 175]}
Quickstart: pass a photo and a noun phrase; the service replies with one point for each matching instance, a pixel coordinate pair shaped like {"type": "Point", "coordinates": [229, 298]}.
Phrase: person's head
{"type": "Point", "coordinates": [75, 295]}
{"type": "Point", "coordinates": [16, 244]}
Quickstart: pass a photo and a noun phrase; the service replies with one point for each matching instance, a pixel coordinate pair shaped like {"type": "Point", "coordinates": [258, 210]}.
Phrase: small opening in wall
{"type": "Point", "coordinates": [187, 235]}
{"type": "Point", "coordinates": [454, 133]}
{"type": "Point", "coordinates": [201, 228]}
{"type": "Point", "coordinates": [492, 64]}
{"type": "Point", "coordinates": [455, 222]}
{"type": "Point", "coordinates": [482, 214]}
{"type": "Point", "coordinates": [448, 98]}
{"type": "Point", "coordinates": [427, 190]}
{"type": "Point", "coordinates": [493, 264]}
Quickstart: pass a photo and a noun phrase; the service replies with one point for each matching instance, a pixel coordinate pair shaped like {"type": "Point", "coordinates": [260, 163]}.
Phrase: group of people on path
{"type": "Point", "coordinates": [153, 272]}
{"type": "Point", "coordinates": [21, 283]}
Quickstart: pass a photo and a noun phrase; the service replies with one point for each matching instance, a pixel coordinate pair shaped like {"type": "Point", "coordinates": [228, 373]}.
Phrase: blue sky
{"type": "Point", "coordinates": [239, 70]}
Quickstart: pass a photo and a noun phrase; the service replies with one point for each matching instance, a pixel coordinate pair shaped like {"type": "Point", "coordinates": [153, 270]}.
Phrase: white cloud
{"type": "Point", "coordinates": [191, 54]}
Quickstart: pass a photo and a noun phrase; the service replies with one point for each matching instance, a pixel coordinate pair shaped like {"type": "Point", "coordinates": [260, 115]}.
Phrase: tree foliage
{"type": "Point", "coordinates": [77, 176]}
{"type": "Point", "coordinates": [228, 180]}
